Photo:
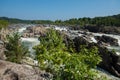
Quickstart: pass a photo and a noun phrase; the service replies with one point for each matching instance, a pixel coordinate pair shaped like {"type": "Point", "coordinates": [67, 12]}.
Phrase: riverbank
{"type": "Point", "coordinates": [89, 36]}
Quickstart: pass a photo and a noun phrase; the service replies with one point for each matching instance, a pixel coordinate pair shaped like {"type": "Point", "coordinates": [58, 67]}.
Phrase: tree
{"type": "Point", "coordinates": [3, 24]}
{"type": "Point", "coordinates": [53, 57]}
{"type": "Point", "coordinates": [15, 50]}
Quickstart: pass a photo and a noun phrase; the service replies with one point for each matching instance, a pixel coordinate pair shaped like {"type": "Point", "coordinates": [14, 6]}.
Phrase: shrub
{"type": "Point", "coordinates": [54, 57]}
{"type": "Point", "coordinates": [15, 51]}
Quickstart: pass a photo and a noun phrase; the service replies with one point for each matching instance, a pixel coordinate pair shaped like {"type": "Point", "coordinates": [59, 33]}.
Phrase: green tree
{"type": "Point", "coordinates": [15, 51]}
{"type": "Point", "coordinates": [53, 56]}
{"type": "Point", "coordinates": [3, 24]}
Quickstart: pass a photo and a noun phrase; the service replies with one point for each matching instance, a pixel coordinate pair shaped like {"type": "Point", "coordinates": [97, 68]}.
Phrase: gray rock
{"type": "Point", "coordinates": [2, 55]}
{"type": "Point", "coordinates": [108, 40]}
{"type": "Point", "coordinates": [13, 71]}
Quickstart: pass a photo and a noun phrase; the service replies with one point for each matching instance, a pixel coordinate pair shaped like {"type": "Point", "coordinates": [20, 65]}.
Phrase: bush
{"type": "Point", "coordinates": [15, 51]}
{"type": "Point", "coordinates": [3, 24]}
{"type": "Point", "coordinates": [54, 57]}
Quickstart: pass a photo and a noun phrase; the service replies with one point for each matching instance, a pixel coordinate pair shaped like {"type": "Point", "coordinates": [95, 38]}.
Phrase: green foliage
{"type": "Point", "coordinates": [99, 21]}
{"type": "Point", "coordinates": [3, 24]}
{"type": "Point", "coordinates": [54, 57]}
{"type": "Point", "coordinates": [14, 20]}
{"type": "Point", "coordinates": [15, 50]}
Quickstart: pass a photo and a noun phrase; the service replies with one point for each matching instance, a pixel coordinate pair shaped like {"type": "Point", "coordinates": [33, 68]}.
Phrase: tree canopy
{"type": "Point", "coordinates": [3, 24]}
{"type": "Point", "coordinates": [101, 21]}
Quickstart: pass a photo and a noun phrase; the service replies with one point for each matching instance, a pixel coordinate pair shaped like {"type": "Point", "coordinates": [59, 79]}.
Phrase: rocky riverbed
{"type": "Point", "coordinates": [13, 71]}
{"type": "Point", "coordinates": [104, 42]}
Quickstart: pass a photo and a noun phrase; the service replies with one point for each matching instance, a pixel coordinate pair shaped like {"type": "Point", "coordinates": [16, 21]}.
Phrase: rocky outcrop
{"type": "Point", "coordinates": [34, 31]}
{"type": "Point", "coordinates": [13, 71]}
{"type": "Point", "coordinates": [108, 40]}
{"type": "Point", "coordinates": [103, 29]}
{"type": "Point", "coordinates": [79, 41]}
{"type": "Point", "coordinates": [110, 61]}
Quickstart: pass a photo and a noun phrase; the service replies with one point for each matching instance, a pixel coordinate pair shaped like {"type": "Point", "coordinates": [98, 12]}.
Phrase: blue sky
{"type": "Point", "coordinates": [58, 9]}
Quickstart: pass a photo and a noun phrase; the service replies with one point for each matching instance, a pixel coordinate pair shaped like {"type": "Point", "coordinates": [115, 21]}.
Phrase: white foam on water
{"type": "Point", "coordinates": [116, 48]}
{"type": "Point", "coordinates": [30, 39]}
{"type": "Point", "coordinates": [30, 43]}
{"type": "Point", "coordinates": [60, 28]}
{"type": "Point", "coordinates": [118, 53]}
{"type": "Point", "coordinates": [21, 29]}
{"type": "Point", "coordinates": [111, 35]}
{"type": "Point", "coordinates": [93, 39]}
{"type": "Point", "coordinates": [80, 34]}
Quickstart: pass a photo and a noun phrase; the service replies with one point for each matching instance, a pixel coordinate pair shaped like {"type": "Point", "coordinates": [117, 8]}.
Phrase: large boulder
{"type": "Point", "coordinates": [13, 71]}
{"type": "Point", "coordinates": [34, 31]}
{"type": "Point", "coordinates": [110, 61]}
{"type": "Point", "coordinates": [108, 40]}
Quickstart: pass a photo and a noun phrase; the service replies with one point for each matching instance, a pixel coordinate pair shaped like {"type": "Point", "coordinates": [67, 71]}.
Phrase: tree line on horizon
{"type": "Point", "coordinates": [98, 21]}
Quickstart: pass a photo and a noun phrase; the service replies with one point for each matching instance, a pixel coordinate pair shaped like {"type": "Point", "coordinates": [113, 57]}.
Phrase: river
{"type": "Point", "coordinates": [116, 48]}
{"type": "Point", "coordinates": [31, 42]}
{"type": "Point", "coordinates": [28, 42]}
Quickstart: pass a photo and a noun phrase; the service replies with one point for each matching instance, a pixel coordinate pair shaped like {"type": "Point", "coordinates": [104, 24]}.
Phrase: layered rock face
{"type": "Point", "coordinates": [110, 61]}
{"type": "Point", "coordinates": [107, 39]}
{"type": "Point", "coordinates": [13, 71]}
{"type": "Point", "coordinates": [103, 29]}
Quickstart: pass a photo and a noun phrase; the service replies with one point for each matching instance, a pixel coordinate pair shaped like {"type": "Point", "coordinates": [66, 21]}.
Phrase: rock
{"type": "Point", "coordinates": [13, 71]}
{"type": "Point", "coordinates": [79, 41]}
{"type": "Point", "coordinates": [100, 43]}
{"type": "Point", "coordinates": [2, 55]}
{"type": "Point", "coordinates": [108, 40]}
{"type": "Point", "coordinates": [34, 31]}
{"type": "Point", "coordinates": [110, 61]}
{"type": "Point", "coordinates": [75, 28]}
{"type": "Point", "coordinates": [68, 42]}
{"type": "Point", "coordinates": [103, 29]}
{"type": "Point", "coordinates": [10, 75]}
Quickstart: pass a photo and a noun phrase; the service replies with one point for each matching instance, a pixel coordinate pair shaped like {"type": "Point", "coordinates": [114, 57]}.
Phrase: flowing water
{"type": "Point", "coordinates": [28, 42]}
{"type": "Point", "coordinates": [31, 42]}
{"type": "Point", "coordinates": [116, 48]}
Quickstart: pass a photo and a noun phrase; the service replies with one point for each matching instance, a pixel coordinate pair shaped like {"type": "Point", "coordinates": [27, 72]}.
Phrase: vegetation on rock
{"type": "Point", "coordinates": [53, 57]}
{"type": "Point", "coordinates": [15, 50]}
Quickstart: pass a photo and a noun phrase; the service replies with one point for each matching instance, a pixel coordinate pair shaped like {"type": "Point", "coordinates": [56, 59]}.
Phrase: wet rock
{"type": "Point", "coordinates": [108, 40]}
{"type": "Point", "coordinates": [110, 61]}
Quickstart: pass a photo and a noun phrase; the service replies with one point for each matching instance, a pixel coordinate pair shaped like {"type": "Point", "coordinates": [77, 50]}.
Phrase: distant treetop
{"type": "Point", "coordinates": [101, 21]}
